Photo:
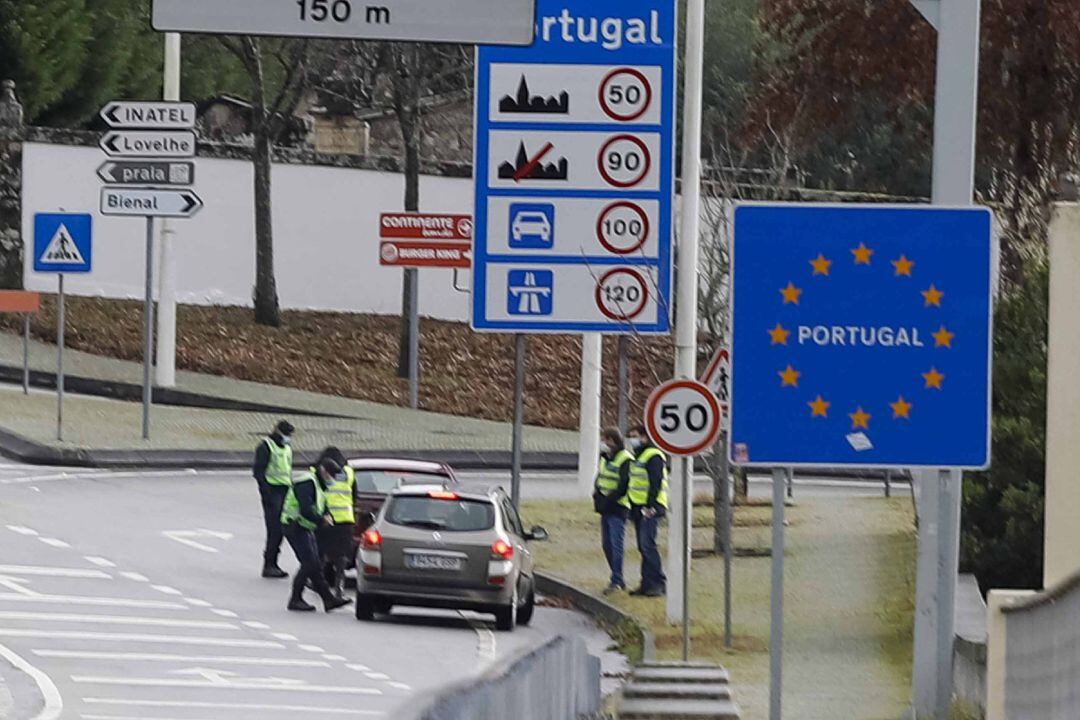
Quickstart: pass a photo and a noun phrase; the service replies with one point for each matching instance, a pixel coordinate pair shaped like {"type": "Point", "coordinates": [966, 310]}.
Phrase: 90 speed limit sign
{"type": "Point", "coordinates": [683, 417]}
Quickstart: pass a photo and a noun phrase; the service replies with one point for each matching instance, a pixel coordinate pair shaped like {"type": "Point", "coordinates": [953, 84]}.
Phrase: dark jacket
{"type": "Point", "coordinates": [262, 460]}
{"type": "Point", "coordinates": [306, 496]}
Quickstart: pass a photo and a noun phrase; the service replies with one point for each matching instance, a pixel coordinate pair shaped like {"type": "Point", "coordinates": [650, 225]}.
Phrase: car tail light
{"type": "Point", "coordinates": [372, 539]}
{"type": "Point", "coordinates": [443, 495]}
{"type": "Point", "coordinates": [502, 550]}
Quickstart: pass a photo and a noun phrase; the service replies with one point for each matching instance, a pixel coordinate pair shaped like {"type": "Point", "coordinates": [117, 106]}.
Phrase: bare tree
{"type": "Point", "coordinates": [275, 92]}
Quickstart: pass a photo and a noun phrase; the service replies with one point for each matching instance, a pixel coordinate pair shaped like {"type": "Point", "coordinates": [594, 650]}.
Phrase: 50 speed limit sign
{"type": "Point", "coordinates": [683, 417]}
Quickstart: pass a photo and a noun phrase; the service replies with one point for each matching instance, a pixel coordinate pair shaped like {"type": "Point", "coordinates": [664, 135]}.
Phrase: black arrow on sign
{"type": "Point", "coordinates": [111, 143]}
{"type": "Point", "coordinates": [111, 114]}
{"type": "Point", "coordinates": [191, 201]}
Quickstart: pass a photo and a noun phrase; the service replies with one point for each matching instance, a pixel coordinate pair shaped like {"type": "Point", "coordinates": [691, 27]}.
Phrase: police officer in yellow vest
{"type": "Point", "coordinates": [305, 510]}
{"type": "Point", "coordinates": [611, 502]}
{"type": "Point", "coordinates": [336, 541]}
{"type": "Point", "coordinates": [273, 471]}
{"type": "Point", "coordinates": [648, 504]}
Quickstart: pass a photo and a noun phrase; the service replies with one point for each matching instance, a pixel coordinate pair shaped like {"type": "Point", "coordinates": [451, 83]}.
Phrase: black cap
{"type": "Point", "coordinates": [285, 427]}
{"type": "Point", "coordinates": [330, 465]}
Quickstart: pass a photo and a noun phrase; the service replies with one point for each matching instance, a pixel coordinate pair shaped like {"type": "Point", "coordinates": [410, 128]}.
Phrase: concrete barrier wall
{"type": "Point", "coordinates": [557, 681]}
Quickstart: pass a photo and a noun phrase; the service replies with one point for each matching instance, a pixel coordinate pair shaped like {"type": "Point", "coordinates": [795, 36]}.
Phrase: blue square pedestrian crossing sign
{"type": "Point", "coordinates": [862, 336]}
{"type": "Point", "coordinates": [63, 243]}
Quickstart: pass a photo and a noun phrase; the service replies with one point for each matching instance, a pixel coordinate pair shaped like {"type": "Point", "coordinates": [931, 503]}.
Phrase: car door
{"type": "Point", "coordinates": [512, 525]}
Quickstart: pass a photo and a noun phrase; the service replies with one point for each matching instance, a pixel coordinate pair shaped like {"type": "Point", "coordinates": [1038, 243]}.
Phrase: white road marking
{"type": "Point", "coordinates": [15, 585]}
{"type": "Point", "coordinates": [54, 572]}
{"type": "Point", "coordinates": [135, 576]}
{"type": "Point", "coordinates": [224, 613]}
{"type": "Point", "coordinates": [98, 601]}
{"type": "Point", "coordinates": [54, 704]}
{"type": "Point", "coordinates": [254, 625]}
{"type": "Point", "coordinates": [139, 637]}
{"type": "Point", "coordinates": [54, 542]}
{"type": "Point", "coordinates": [358, 668]}
{"type": "Point", "coordinates": [334, 658]}
{"type": "Point", "coordinates": [22, 530]}
{"type": "Point", "coordinates": [285, 636]}
{"type": "Point", "coordinates": [166, 657]}
{"type": "Point", "coordinates": [84, 716]}
{"type": "Point", "coordinates": [166, 589]}
{"type": "Point", "coordinates": [118, 620]}
{"type": "Point", "coordinates": [91, 475]}
{"type": "Point", "coordinates": [99, 561]}
{"type": "Point", "coordinates": [301, 709]}
{"type": "Point", "coordinates": [312, 648]}
{"type": "Point", "coordinates": [376, 676]}
{"type": "Point", "coordinates": [399, 685]}
{"type": "Point", "coordinates": [189, 542]}
{"type": "Point", "coordinates": [229, 685]}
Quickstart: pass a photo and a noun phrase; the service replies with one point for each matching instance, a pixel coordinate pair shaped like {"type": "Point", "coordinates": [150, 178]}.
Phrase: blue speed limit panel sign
{"type": "Point", "coordinates": [575, 172]}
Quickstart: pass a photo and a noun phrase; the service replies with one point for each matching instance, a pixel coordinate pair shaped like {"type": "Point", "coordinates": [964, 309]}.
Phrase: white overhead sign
{"type": "Point", "coordinates": [149, 203]}
{"type": "Point", "coordinates": [149, 144]}
{"type": "Point", "coordinates": [149, 115]}
{"type": "Point", "coordinates": [489, 22]}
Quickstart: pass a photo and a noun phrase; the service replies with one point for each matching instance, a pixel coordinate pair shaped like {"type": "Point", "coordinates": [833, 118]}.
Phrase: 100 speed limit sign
{"type": "Point", "coordinates": [683, 417]}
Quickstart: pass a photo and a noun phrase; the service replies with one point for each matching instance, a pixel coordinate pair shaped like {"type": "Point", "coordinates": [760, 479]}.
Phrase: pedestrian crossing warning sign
{"type": "Point", "coordinates": [62, 249]}
{"type": "Point", "coordinates": [62, 243]}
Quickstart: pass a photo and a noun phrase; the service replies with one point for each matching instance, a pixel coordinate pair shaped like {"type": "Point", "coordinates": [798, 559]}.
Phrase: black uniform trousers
{"type": "Point", "coordinates": [304, 545]}
{"type": "Point", "coordinates": [273, 502]}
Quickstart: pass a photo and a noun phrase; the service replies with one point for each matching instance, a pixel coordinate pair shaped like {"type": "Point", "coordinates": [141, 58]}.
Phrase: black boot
{"type": "Point", "coordinates": [301, 605]}
{"type": "Point", "coordinates": [273, 572]}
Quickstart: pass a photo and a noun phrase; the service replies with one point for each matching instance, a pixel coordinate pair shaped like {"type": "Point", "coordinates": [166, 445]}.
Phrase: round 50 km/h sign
{"type": "Point", "coordinates": [625, 94]}
{"type": "Point", "coordinates": [683, 417]}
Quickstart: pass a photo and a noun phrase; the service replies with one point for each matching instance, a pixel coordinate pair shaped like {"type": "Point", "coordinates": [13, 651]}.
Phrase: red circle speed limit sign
{"type": "Point", "coordinates": [625, 94]}
{"type": "Point", "coordinates": [624, 161]}
{"type": "Point", "coordinates": [683, 417]}
{"type": "Point", "coordinates": [623, 228]}
{"type": "Point", "coordinates": [622, 294]}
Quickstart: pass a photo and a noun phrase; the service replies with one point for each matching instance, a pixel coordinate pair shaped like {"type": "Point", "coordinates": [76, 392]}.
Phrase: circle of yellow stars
{"type": "Point", "coordinates": [903, 267]}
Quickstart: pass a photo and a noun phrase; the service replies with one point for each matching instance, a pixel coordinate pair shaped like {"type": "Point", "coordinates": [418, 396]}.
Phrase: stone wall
{"type": "Point", "coordinates": [11, 131]}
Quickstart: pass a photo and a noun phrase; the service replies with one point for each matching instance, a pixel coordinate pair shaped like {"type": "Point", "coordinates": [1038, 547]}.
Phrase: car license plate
{"type": "Point", "coordinates": [433, 562]}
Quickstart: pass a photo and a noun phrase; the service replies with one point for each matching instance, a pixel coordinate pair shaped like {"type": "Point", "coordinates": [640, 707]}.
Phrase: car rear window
{"type": "Point", "coordinates": [430, 513]}
{"type": "Point", "coordinates": [383, 481]}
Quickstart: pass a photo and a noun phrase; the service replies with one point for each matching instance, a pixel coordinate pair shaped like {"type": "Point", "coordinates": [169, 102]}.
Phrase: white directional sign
{"type": "Point", "coordinates": [149, 202]}
{"type": "Point", "coordinates": [683, 417]}
{"type": "Point", "coordinates": [149, 144]}
{"type": "Point", "coordinates": [149, 115]}
{"type": "Point", "coordinates": [488, 22]}
{"type": "Point", "coordinates": [147, 172]}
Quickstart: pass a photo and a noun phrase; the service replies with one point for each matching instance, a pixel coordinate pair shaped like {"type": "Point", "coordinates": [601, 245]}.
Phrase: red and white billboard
{"type": "Point", "coordinates": [425, 240]}
{"type": "Point", "coordinates": [425, 226]}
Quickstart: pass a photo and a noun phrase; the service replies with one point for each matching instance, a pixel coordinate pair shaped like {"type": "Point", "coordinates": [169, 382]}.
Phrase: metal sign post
{"type": "Point", "coordinates": [26, 355]}
{"type": "Point", "coordinates": [776, 596]}
{"type": "Point", "coordinates": [60, 358]}
{"type": "Point", "coordinates": [519, 418]}
{"type": "Point", "coordinates": [150, 131]}
{"type": "Point", "coordinates": [148, 329]}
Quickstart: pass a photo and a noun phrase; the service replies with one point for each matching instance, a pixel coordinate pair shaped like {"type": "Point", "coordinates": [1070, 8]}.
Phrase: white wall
{"type": "Point", "coordinates": [325, 235]}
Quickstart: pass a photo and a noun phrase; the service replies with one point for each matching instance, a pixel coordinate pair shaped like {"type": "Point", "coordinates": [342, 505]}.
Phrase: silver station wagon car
{"type": "Point", "coordinates": [452, 547]}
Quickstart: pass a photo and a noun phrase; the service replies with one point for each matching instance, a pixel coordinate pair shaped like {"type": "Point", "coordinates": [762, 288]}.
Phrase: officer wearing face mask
{"type": "Point", "coordinates": [273, 472]}
{"type": "Point", "coordinates": [611, 501]}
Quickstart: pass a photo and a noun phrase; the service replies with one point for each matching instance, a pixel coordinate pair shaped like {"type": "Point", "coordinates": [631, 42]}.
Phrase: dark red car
{"type": "Point", "coordinates": [376, 478]}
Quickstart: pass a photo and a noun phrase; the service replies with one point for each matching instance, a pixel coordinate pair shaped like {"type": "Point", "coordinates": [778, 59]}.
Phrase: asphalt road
{"type": "Point", "coordinates": [130, 595]}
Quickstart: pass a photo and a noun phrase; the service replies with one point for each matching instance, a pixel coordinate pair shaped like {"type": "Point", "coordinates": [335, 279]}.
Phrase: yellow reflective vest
{"type": "Point", "coordinates": [639, 479]}
{"type": "Point", "coordinates": [608, 479]}
{"type": "Point", "coordinates": [339, 498]}
{"type": "Point", "coordinates": [291, 512]}
{"type": "Point", "coordinates": [279, 469]}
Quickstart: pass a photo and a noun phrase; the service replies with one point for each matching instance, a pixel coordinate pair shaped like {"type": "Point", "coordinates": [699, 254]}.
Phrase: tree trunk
{"type": "Point", "coordinates": [721, 504]}
{"type": "Point", "coordinates": [267, 311]}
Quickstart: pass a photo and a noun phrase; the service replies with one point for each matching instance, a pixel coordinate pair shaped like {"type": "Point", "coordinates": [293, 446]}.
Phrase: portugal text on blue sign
{"type": "Point", "coordinates": [574, 172]}
{"type": "Point", "coordinates": [861, 336]}
{"type": "Point", "coordinates": [63, 243]}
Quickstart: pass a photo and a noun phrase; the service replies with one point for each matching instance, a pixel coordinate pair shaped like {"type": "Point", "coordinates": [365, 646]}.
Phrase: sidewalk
{"type": "Point", "coordinates": [99, 423]}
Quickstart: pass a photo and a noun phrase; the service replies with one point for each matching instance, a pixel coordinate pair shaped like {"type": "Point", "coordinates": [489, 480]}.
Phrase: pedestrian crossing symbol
{"type": "Point", "coordinates": [62, 249]}
{"type": "Point", "coordinates": [62, 243]}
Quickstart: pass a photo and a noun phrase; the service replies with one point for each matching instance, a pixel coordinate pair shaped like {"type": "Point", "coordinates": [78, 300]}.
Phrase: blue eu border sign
{"type": "Point", "coordinates": [862, 336]}
{"type": "Point", "coordinates": [63, 243]}
{"type": "Point", "coordinates": [575, 172]}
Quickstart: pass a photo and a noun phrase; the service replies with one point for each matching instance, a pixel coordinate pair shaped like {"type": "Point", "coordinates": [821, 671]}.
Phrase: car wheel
{"type": "Point", "coordinates": [506, 617]}
{"type": "Point", "coordinates": [365, 607]}
{"type": "Point", "coordinates": [525, 613]}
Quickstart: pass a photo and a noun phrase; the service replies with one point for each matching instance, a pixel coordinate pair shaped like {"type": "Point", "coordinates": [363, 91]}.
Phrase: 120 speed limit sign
{"type": "Point", "coordinates": [683, 417]}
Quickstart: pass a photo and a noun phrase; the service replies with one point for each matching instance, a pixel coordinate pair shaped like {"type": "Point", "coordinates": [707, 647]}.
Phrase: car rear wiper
{"type": "Point", "coordinates": [424, 524]}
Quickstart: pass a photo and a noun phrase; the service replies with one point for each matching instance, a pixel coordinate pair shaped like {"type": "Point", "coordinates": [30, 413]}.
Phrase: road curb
{"type": "Point", "coordinates": [20, 449]}
{"type": "Point", "coordinates": [622, 625]}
